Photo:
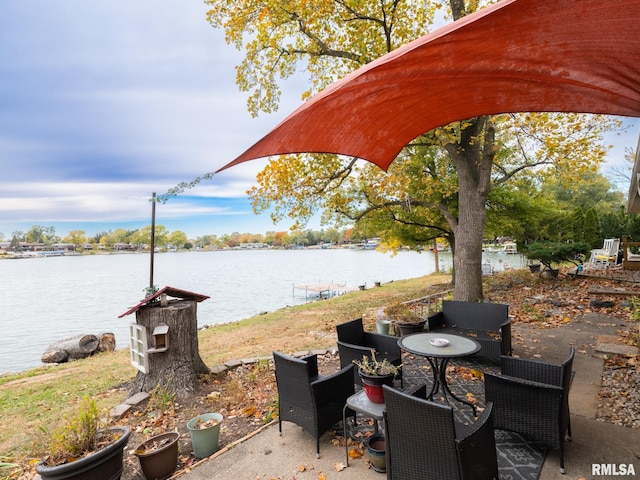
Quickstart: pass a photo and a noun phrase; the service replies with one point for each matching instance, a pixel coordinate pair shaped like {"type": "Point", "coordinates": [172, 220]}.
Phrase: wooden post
{"type": "Point", "coordinates": [153, 239]}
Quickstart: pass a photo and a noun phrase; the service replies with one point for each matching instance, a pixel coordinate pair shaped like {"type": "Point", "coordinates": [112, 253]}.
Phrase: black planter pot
{"type": "Point", "coordinates": [105, 464]}
{"type": "Point", "coordinates": [409, 328]}
{"type": "Point", "coordinates": [549, 273]}
{"type": "Point", "coordinates": [534, 267]}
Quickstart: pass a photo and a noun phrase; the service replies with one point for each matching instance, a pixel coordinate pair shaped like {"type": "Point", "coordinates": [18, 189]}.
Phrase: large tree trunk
{"type": "Point", "coordinates": [178, 367]}
{"type": "Point", "coordinates": [473, 157]}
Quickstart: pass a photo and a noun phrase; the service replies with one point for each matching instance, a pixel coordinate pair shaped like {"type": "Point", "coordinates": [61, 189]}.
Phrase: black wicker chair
{"type": "Point", "coordinates": [423, 441]}
{"type": "Point", "coordinates": [354, 343]}
{"type": "Point", "coordinates": [312, 401]}
{"type": "Point", "coordinates": [531, 397]}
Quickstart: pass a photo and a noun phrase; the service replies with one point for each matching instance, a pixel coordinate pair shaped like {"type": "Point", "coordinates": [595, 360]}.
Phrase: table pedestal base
{"type": "Point", "coordinates": [439, 367]}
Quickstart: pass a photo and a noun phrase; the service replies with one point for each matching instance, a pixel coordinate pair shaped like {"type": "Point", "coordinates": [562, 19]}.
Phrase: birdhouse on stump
{"type": "Point", "coordinates": [164, 341]}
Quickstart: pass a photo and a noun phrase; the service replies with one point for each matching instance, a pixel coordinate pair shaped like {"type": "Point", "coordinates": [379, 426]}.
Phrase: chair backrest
{"type": "Point", "coordinates": [473, 315]}
{"type": "Point", "coordinates": [539, 371]}
{"type": "Point", "coordinates": [567, 372]}
{"type": "Point", "coordinates": [611, 246]}
{"type": "Point", "coordinates": [351, 332]}
{"type": "Point", "coordinates": [294, 376]}
{"type": "Point", "coordinates": [420, 438]}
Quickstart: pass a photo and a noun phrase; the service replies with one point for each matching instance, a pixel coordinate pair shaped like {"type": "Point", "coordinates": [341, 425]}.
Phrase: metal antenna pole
{"type": "Point", "coordinates": [153, 238]}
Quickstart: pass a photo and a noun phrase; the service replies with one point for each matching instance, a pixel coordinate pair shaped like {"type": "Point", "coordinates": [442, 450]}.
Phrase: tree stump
{"type": "Point", "coordinates": [178, 367]}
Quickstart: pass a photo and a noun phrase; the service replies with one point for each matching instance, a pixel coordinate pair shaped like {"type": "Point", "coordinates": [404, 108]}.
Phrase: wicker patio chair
{"type": "Point", "coordinates": [312, 401]}
{"type": "Point", "coordinates": [423, 441]}
{"type": "Point", "coordinates": [354, 343]}
{"type": "Point", "coordinates": [531, 397]}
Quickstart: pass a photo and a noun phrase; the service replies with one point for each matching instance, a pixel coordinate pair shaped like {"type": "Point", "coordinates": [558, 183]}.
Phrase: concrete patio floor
{"type": "Point", "coordinates": [267, 455]}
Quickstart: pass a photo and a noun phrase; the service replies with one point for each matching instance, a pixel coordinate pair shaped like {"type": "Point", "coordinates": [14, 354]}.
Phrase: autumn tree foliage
{"type": "Point", "coordinates": [447, 182]}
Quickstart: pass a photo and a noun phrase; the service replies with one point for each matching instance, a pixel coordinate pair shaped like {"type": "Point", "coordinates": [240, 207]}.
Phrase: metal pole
{"type": "Point", "coordinates": [153, 238]}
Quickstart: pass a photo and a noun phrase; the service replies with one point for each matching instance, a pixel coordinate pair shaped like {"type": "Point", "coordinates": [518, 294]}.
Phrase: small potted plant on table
{"type": "Point", "coordinates": [84, 448]}
{"type": "Point", "coordinates": [374, 374]}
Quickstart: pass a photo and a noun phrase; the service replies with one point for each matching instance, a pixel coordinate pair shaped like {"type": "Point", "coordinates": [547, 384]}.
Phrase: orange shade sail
{"type": "Point", "coordinates": [514, 56]}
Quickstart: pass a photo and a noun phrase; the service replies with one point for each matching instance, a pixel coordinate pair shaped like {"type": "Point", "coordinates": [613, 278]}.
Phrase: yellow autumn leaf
{"type": "Point", "coordinates": [302, 468]}
{"type": "Point", "coordinates": [355, 453]}
{"type": "Point", "coordinates": [248, 411]}
{"type": "Point", "coordinates": [321, 476]}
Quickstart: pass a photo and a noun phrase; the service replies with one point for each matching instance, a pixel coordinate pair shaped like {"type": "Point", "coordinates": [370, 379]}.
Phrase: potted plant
{"type": "Point", "coordinates": [374, 374]}
{"type": "Point", "coordinates": [376, 450]}
{"type": "Point", "coordinates": [534, 267]}
{"type": "Point", "coordinates": [205, 434]}
{"type": "Point", "coordinates": [84, 448]}
{"type": "Point", "coordinates": [405, 319]}
{"type": "Point", "coordinates": [158, 456]}
{"type": "Point", "coordinates": [549, 253]}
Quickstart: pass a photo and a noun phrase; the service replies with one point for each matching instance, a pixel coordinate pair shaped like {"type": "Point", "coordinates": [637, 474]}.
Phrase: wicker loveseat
{"type": "Point", "coordinates": [487, 323]}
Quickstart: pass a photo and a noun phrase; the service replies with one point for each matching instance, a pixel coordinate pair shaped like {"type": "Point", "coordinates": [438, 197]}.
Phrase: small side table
{"type": "Point", "coordinates": [359, 403]}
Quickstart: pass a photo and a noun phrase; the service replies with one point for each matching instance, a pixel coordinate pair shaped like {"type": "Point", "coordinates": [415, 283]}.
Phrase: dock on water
{"type": "Point", "coordinates": [322, 290]}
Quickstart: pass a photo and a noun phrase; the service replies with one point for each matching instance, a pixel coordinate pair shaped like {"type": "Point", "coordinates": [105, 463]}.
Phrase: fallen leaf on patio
{"type": "Point", "coordinates": [302, 468]}
{"type": "Point", "coordinates": [355, 453]}
{"type": "Point", "coordinates": [321, 476]}
{"type": "Point", "coordinates": [339, 466]}
{"type": "Point", "coordinates": [248, 411]}
{"type": "Point", "coordinates": [477, 373]}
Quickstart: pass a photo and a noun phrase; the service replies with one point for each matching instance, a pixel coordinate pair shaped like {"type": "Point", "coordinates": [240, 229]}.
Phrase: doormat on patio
{"type": "Point", "coordinates": [518, 459]}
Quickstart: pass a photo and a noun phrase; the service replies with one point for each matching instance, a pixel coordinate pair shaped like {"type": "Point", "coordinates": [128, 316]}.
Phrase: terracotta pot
{"type": "Point", "coordinates": [159, 463]}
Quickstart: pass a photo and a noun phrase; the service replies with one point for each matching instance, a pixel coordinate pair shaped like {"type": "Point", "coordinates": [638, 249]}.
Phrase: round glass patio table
{"type": "Point", "coordinates": [438, 349]}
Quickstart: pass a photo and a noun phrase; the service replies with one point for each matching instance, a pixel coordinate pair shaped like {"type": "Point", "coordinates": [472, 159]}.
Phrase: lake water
{"type": "Point", "coordinates": [48, 299]}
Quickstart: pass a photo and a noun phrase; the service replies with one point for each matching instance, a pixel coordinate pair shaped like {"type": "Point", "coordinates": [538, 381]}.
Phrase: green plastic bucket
{"type": "Point", "coordinates": [204, 440]}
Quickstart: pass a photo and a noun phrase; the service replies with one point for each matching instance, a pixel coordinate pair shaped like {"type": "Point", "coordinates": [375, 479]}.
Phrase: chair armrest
{"type": "Point", "coordinates": [357, 348]}
{"type": "Point", "coordinates": [420, 391]}
{"type": "Point", "coordinates": [385, 345]}
{"type": "Point", "coordinates": [505, 338]}
{"type": "Point", "coordinates": [336, 387]}
{"type": "Point", "coordinates": [517, 401]}
{"type": "Point", "coordinates": [312, 364]}
{"type": "Point", "coordinates": [532, 370]}
{"type": "Point", "coordinates": [477, 447]}
{"type": "Point", "coordinates": [435, 321]}
{"type": "Point", "coordinates": [484, 422]}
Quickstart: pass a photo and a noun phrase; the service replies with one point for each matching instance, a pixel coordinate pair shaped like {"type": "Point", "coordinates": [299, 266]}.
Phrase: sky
{"type": "Point", "coordinates": [104, 103]}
